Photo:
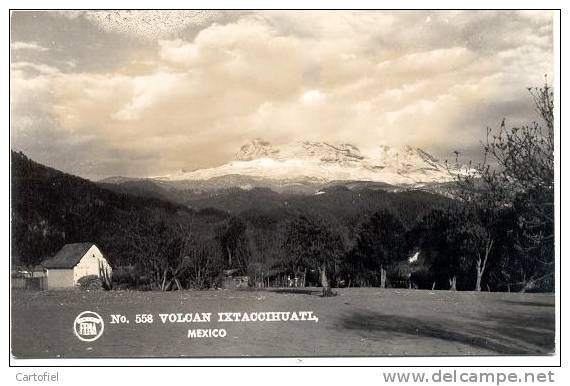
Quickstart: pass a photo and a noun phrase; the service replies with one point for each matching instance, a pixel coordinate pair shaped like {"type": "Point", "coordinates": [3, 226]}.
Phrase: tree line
{"type": "Point", "coordinates": [495, 233]}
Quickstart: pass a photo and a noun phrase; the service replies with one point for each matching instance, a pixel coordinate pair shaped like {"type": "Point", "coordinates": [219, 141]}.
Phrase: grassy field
{"type": "Point", "coordinates": [357, 322]}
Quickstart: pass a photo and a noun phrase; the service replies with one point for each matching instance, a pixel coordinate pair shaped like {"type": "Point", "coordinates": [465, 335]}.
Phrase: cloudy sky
{"type": "Point", "coordinates": [145, 93]}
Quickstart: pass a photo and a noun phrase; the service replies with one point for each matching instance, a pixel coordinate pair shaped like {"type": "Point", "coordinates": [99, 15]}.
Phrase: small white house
{"type": "Point", "coordinates": [73, 262]}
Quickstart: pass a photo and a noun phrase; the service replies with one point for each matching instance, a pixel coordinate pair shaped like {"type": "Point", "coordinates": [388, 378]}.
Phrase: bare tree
{"type": "Point", "coordinates": [160, 248]}
{"type": "Point", "coordinates": [517, 172]}
{"type": "Point", "coordinates": [202, 262]}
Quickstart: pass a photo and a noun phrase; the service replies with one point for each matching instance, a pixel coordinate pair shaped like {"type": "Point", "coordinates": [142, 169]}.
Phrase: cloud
{"type": "Point", "coordinates": [149, 90]}
{"type": "Point", "coordinates": [32, 46]}
{"type": "Point", "coordinates": [434, 61]}
{"type": "Point", "coordinates": [313, 97]}
{"type": "Point", "coordinates": [42, 69]}
{"type": "Point", "coordinates": [178, 51]}
{"type": "Point", "coordinates": [186, 100]}
{"type": "Point", "coordinates": [150, 25]}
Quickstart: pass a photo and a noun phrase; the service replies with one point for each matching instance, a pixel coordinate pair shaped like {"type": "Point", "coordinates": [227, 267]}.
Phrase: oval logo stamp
{"type": "Point", "coordinates": [88, 326]}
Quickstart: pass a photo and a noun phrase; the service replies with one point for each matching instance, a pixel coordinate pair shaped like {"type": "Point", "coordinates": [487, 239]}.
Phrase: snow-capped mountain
{"type": "Point", "coordinates": [258, 163]}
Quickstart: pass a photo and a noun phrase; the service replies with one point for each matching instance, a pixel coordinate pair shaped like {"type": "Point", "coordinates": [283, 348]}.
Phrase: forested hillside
{"type": "Point", "coordinates": [186, 239]}
{"type": "Point", "coordinates": [50, 208]}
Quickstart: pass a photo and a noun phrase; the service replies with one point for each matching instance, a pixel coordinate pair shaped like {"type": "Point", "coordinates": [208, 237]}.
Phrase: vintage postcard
{"type": "Point", "coordinates": [287, 183]}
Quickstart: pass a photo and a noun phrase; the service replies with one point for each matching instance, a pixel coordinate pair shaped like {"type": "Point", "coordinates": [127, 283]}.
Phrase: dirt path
{"type": "Point", "coordinates": [358, 322]}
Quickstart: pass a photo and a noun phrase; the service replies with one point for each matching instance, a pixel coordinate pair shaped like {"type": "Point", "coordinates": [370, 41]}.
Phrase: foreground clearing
{"type": "Point", "coordinates": [357, 322]}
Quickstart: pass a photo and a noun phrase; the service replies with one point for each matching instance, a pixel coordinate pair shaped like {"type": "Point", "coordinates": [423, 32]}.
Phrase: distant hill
{"type": "Point", "coordinates": [347, 202]}
{"type": "Point", "coordinates": [50, 208]}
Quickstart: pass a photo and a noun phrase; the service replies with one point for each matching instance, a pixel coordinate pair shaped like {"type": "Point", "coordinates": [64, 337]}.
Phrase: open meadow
{"type": "Point", "coordinates": [357, 322]}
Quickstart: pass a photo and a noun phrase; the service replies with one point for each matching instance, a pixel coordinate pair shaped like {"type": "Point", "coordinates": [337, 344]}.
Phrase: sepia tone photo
{"type": "Point", "coordinates": [285, 183]}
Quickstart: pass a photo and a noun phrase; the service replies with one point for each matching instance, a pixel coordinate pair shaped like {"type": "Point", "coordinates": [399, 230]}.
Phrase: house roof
{"type": "Point", "coordinates": [68, 256]}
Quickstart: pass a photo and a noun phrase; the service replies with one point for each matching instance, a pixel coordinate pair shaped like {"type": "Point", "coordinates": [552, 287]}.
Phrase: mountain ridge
{"type": "Point", "coordinates": [311, 165]}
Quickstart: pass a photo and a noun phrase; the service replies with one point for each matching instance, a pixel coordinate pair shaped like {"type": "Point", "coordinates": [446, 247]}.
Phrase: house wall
{"type": "Point", "coordinates": [18, 282]}
{"type": "Point", "coordinates": [92, 263]}
{"type": "Point", "coordinates": [60, 278]}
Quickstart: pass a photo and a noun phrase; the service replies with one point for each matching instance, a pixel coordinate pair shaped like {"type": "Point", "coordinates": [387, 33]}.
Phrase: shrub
{"type": "Point", "coordinates": [90, 283]}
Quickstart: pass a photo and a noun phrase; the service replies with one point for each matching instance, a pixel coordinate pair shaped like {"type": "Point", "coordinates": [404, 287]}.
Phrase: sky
{"type": "Point", "coordinates": [147, 93]}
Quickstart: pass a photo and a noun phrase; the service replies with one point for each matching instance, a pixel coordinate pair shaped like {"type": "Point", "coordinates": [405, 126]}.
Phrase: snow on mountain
{"type": "Point", "coordinates": [323, 162]}
{"type": "Point", "coordinates": [258, 148]}
{"type": "Point", "coordinates": [316, 151]}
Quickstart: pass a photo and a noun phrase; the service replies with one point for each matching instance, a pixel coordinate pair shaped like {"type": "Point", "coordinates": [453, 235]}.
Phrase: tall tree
{"type": "Point", "coordinates": [517, 172]}
{"type": "Point", "coordinates": [435, 236]}
{"type": "Point", "coordinates": [160, 247]}
{"type": "Point", "coordinates": [380, 244]}
{"type": "Point", "coordinates": [233, 241]}
{"type": "Point", "coordinates": [311, 242]}
{"type": "Point", "coordinates": [477, 234]}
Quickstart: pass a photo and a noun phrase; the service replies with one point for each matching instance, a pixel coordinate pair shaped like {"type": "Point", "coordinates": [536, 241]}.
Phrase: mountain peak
{"type": "Point", "coordinates": [323, 151]}
{"type": "Point", "coordinates": [318, 162]}
{"type": "Point", "coordinates": [303, 150]}
{"type": "Point", "coordinates": [405, 156]}
{"type": "Point", "coordinates": [256, 148]}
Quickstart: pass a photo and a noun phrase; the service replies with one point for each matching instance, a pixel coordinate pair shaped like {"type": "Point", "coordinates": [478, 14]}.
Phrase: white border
{"type": "Point", "coordinates": [275, 376]}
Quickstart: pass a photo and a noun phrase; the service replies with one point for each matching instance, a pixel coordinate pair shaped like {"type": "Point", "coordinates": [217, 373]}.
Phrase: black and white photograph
{"type": "Point", "coordinates": [283, 183]}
